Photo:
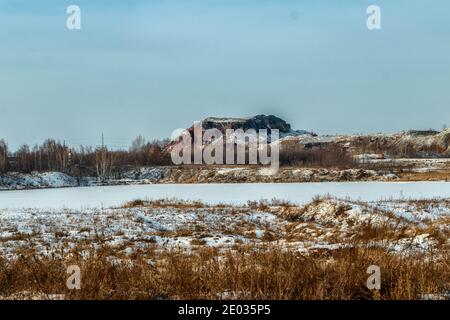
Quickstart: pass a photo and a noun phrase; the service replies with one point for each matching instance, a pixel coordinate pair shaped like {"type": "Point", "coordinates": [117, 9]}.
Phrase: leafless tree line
{"type": "Point", "coordinates": [331, 156]}
{"type": "Point", "coordinates": [104, 163]}
{"type": "Point", "coordinates": [101, 161]}
{"type": "Point", "coordinates": [3, 156]}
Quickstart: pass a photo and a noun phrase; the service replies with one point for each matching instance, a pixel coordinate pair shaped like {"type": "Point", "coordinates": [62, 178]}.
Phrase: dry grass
{"type": "Point", "coordinates": [245, 273]}
{"type": "Point", "coordinates": [425, 176]}
{"type": "Point", "coordinates": [281, 251]}
{"type": "Point", "coordinates": [166, 203]}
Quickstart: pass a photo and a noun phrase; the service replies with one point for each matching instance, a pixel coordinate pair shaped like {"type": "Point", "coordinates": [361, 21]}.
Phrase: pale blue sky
{"type": "Point", "coordinates": [149, 67]}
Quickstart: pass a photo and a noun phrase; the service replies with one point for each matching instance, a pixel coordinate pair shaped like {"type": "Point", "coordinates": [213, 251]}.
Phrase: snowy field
{"type": "Point", "coordinates": [327, 223]}
{"type": "Point", "coordinates": [299, 193]}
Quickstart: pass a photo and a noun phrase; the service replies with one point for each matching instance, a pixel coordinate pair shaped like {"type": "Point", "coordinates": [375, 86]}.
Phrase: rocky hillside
{"type": "Point", "coordinates": [193, 174]}
{"type": "Point", "coordinates": [258, 122]}
{"type": "Point", "coordinates": [409, 144]}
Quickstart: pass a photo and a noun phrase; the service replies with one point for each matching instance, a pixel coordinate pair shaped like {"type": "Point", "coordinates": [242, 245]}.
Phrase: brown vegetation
{"type": "Point", "coordinates": [425, 176]}
{"type": "Point", "coordinates": [102, 162]}
{"type": "Point", "coordinates": [331, 157]}
{"type": "Point", "coordinates": [320, 250]}
{"type": "Point", "coordinates": [245, 273]}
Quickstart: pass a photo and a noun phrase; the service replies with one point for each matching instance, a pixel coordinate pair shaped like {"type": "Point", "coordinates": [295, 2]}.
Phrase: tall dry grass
{"type": "Point", "coordinates": [243, 273]}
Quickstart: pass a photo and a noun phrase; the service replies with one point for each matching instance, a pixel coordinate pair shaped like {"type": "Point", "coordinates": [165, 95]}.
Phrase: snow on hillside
{"type": "Point", "coordinates": [323, 224]}
{"type": "Point", "coordinates": [14, 180]}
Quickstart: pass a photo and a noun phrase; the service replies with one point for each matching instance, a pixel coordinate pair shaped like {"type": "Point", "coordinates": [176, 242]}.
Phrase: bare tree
{"type": "Point", "coordinates": [138, 144]}
{"type": "Point", "coordinates": [103, 163]}
{"type": "Point", "coordinates": [24, 159]}
{"type": "Point", "coordinates": [3, 156]}
{"type": "Point", "coordinates": [53, 155]}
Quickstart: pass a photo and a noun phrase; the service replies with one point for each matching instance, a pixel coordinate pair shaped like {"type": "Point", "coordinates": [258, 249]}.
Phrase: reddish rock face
{"type": "Point", "coordinates": [258, 122]}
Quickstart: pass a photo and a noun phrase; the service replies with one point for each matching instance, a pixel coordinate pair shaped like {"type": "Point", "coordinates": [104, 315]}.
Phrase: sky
{"type": "Point", "coordinates": [150, 67]}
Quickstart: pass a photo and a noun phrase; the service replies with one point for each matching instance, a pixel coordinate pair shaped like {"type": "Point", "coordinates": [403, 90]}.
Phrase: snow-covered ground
{"type": "Point", "coordinates": [15, 180]}
{"type": "Point", "coordinates": [323, 224]}
{"type": "Point", "coordinates": [56, 220]}
{"type": "Point", "coordinates": [413, 164]}
{"type": "Point", "coordinates": [192, 175]}
{"type": "Point", "coordinates": [110, 196]}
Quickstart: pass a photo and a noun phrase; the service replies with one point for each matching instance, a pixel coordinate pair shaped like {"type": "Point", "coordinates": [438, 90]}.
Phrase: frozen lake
{"type": "Point", "coordinates": [109, 196]}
